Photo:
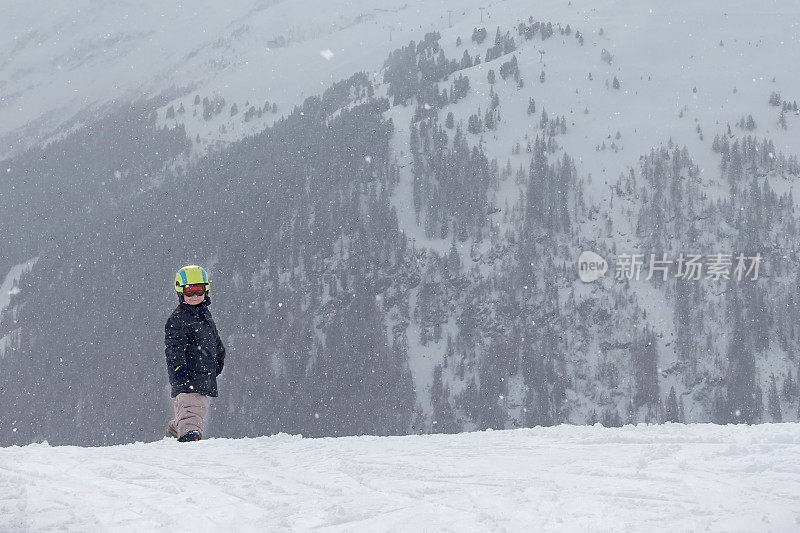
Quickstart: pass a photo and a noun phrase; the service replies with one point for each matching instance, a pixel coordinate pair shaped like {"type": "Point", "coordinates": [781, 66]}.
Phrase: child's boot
{"type": "Point", "coordinates": [191, 435]}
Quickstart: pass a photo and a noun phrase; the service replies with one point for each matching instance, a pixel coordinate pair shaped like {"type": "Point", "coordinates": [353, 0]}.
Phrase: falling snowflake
{"type": "Point", "coordinates": [327, 54]}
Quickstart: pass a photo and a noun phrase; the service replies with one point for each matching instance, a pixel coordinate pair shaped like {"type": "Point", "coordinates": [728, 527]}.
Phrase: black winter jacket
{"type": "Point", "coordinates": [193, 343]}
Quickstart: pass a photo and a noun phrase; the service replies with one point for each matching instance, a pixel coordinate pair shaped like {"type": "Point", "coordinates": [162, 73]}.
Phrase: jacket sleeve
{"type": "Point", "coordinates": [176, 340]}
{"type": "Point", "coordinates": [220, 355]}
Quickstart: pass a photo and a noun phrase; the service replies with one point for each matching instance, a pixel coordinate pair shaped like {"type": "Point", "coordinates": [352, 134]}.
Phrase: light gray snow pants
{"type": "Point", "coordinates": [190, 414]}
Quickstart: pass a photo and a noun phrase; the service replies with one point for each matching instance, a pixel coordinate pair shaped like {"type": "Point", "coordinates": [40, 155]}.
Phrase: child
{"type": "Point", "coordinates": [195, 354]}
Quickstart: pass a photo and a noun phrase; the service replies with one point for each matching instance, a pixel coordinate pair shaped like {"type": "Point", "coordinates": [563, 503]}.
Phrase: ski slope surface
{"type": "Point", "coordinates": [567, 478]}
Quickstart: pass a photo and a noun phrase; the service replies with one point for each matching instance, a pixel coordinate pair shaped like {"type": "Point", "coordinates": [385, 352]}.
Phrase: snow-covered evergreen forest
{"type": "Point", "coordinates": [391, 199]}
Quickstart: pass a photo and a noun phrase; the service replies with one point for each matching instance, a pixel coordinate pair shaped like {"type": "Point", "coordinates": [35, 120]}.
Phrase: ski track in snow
{"type": "Point", "coordinates": [568, 478]}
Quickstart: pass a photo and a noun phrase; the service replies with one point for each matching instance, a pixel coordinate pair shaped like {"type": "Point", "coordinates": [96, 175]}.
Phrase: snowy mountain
{"type": "Point", "coordinates": [66, 66]}
{"type": "Point", "coordinates": [567, 478]}
{"type": "Point", "coordinates": [392, 199]}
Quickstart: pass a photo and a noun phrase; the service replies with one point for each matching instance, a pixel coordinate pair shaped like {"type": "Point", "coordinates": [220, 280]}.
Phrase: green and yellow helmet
{"type": "Point", "coordinates": [191, 275]}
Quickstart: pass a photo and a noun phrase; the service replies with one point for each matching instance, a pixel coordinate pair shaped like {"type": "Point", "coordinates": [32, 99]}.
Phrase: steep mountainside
{"type": "Point", "coordinates": [399, 252]}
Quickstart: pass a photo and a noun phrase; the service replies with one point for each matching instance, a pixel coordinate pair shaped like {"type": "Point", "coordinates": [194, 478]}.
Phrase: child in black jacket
{"type": "Point", "coordinates": [195, 354]}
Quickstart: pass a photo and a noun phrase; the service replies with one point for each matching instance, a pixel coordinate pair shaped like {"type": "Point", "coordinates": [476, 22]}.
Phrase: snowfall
{"type": "Point", "coordinates": [671, 477]}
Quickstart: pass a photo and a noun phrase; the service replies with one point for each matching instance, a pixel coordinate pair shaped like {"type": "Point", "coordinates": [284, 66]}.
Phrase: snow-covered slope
{"type": "Point", "coordinates": [71, 61]}
{"type": "Point", "coordinates": [84, 55]}
{"type": "Point", "coordinates": [7, 288]}
{"type": "Point", "coordinates": [686, 74]}
{"type": "Point", "coordinates": [564, 478]}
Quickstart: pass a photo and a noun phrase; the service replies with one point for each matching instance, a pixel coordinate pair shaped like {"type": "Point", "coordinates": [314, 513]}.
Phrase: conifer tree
{"type": "Point", "coordinates": [774, 401]}
{"type": "Point", "coordinates": [672, 411]}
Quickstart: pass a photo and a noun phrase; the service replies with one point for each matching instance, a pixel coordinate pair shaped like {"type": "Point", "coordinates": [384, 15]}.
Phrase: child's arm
{"type": "Point", "coordinates": [176, 340]}
{"type": "Point", "coordinates": [220, 355]}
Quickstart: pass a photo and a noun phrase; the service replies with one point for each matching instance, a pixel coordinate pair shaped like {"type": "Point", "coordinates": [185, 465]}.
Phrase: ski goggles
{"type": "Point", "coordinates": [198, 289]}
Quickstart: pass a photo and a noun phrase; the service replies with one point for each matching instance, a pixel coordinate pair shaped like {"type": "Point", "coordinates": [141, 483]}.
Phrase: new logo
{"type": "Point", "coordinates": [591, 266]}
